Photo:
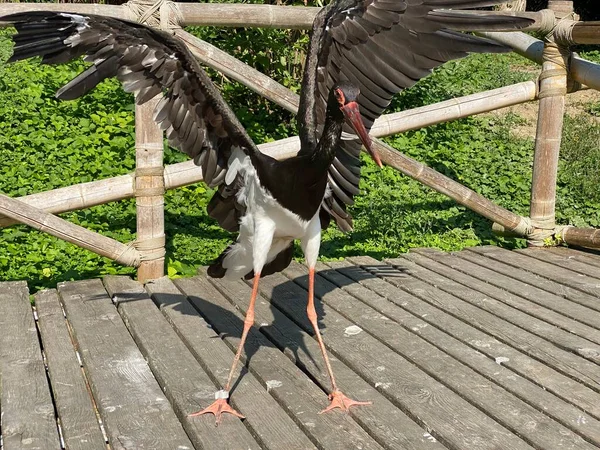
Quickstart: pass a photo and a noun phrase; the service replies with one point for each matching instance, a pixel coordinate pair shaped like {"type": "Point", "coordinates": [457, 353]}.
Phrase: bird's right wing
{"type": "Point", "coordinates": [148, 62]}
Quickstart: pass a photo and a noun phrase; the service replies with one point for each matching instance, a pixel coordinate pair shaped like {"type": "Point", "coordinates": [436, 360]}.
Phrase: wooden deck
{"type": "Point", "coordinates": [480, 349]}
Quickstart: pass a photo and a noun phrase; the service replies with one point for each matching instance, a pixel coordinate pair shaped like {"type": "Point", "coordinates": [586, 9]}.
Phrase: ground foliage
{"type": "Point", "coordinates": [45, 144]}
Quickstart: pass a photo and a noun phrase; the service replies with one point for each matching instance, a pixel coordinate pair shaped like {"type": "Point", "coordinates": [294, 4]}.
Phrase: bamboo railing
{"type": "Point", "coordinates": [561, 73]}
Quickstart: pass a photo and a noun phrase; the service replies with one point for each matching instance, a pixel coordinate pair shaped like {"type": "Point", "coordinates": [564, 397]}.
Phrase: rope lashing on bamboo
{"type": "Point", "coordinates": [560, 56]}
{"type": "Point", "coordinates": [523, 228]}
{"type": "Point", "coordinates": [542, 230]}
{"type": "Point", "coordinates": [154, 191]}
{"type": "Point", "coordinates": [161, 14]}
{"type": "Point", "coordinates": [146, 250]}
{"type": "Point", "coordinates": [547, 21]}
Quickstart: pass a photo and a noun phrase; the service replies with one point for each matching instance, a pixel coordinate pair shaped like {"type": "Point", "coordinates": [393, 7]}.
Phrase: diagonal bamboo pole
{"type": "Point", "coordinates": [234, 68]}
{"type": "Point", "coordinates": [585, 72]}
{"type": "Point", "coordinates": [67, 231]}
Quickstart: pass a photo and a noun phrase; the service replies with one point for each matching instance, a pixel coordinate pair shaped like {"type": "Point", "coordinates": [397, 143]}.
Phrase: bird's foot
{"type": "Point", "coordinates": [219, 407]}
{"type": "Point", "coordinates": [339, 400]}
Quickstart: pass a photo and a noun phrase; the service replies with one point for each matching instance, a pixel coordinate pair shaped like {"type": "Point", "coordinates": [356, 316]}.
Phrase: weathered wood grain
{"type": "Point", "coordinates": [296, 392]}
{"type": "Point", "coordinates": [496, 402]}
{"type": "Point", "coordinates": [79, 424]}
{"type": "Point", "coordinates": [184, 381]}
{"type": "Point", "coordinates": [264, 417]}
{"type": "Point", "coordinates": [422, 300]}
{"type": "Point", "coordinates": [407, 386]}
{"type": "Point", "coordinates": [530, 286]}
{"type": "Point", "coordinates": [461, 305]}
{"type": "Point", "coordinates": [494, 293]}
{"type": "Point", "coordinates": [586, 33]}
{"type": "Point", "coordinates": [134, 410]}
{"type": "Point", "coordinates": [542, 275]}
{"type": "Point", "coordinates": [564, 412]}
{"type": "Point", "coordinates": [582, 237]}
{"type": "Point", "coordinates": [551, 113]}
{"type": "Point", "coordinates": [566, 262]}
{"type": "Point", "coordinates": [590, 258]}
{"type": "Point", "coordinates": [28, 420]}
{"type": "Point", "coordinates": [383, 420]}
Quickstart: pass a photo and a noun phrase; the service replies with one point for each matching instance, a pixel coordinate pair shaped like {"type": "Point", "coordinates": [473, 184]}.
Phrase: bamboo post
{"type": "Point", "coordinates": [149, 150]}
{"type": "Point", "coordinates": [149, 192]}
{"type": "Point", "coordinates": [553, 89]}
{"type": "Point", "coordinates": [67, 231]}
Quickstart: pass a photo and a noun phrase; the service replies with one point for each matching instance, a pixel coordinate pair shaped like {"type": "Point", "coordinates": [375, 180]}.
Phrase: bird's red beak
{"type": "Point", "coordinates": [353, 117]}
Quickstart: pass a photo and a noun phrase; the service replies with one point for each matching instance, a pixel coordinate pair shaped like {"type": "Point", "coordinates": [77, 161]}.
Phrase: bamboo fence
{"type": "Point", "coordinates": [562, 73]}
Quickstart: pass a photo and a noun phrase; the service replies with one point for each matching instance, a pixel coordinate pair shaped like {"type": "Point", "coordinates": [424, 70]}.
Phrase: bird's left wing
{"type": "Point", "coordinates": [382, 46]}
{"type": "Point", "coordinates": [148, 62]}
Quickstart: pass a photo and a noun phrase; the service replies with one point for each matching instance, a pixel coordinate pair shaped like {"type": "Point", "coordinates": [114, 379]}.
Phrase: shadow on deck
{"type": "Point", "coordinates": [479, 349]}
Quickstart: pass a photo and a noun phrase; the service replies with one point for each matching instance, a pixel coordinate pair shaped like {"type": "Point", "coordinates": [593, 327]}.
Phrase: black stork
{"type": "Point", "coordinates": [375, 47]}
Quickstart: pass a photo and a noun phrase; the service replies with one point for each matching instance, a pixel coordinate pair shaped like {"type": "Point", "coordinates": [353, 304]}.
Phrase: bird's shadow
{"type": "Point", "coordinates": [287, 332]}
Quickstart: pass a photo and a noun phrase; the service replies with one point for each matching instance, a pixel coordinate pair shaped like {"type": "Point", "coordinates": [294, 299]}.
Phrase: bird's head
{"type": "Point", "coordinates": [346, 94]}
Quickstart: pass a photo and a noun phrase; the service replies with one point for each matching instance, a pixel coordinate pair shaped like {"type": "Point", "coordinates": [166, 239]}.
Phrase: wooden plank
{"type": "Point", "coordinates": [181, 377]}
{"type": "Point", "coordinates": [382, 420]}
{"type": "Point", "coordinates": [28, 420]}
{"type": "Point", "coordinates": [134, 410]}
{"type": "Point", "coordinates": [264, 417]}
{"type": "Point", "coordinates": [571, 264]}
{"type": "Point", "coordinates": [558, 281]}
{"type": "Point", "coordinates": [530, 424]}
{"type": "Point", "coordinates": [397, 286]}
{"type": "Point", "coordinates": [487, 256]}
{"type": "Point", "coordinates": [506, 298]}
{"type": "Point", "coordinates": [550, 293]}
{"type": "Point", "coordinates": [409, 388]}
{"type": "Point", "coordinates": [295, 392]}
{"type": "Point", "coordinates": [78, 421]}
{"type": "Point", "coordinates": [578, 255]}
{"type": "Point", "coordinates": [567, 414]}
{"type": "Point", "coordinates": [477, 312]}
{"type": "Point", "coordinates": [186, 384]}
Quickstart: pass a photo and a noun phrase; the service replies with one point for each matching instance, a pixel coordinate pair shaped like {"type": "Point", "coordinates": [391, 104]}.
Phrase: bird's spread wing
{"type": "Point", "coordinates": [148, 62]}
{"type": "Point", "coordinates": [383, 46]}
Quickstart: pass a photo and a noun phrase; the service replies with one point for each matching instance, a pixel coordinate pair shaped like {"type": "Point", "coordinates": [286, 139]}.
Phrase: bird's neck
{"type": "Point", "coordinates": [307, 120]}
{"type": "Point", "coordinates": [325, 150]}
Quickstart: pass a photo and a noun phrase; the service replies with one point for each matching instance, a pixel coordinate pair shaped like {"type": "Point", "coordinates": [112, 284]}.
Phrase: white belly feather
{"type": "Point", "coordinates": [267, 228]}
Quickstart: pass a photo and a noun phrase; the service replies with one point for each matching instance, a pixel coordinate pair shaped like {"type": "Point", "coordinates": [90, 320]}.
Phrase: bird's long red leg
{"type": "Point", "coordinates": [220, 405]}
{"type": "Point", "coordinates": [338, 399]}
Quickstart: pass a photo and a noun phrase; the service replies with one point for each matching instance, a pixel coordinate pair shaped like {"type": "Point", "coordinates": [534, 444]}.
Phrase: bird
{"type": "Point", "coordinates": [361, 53]}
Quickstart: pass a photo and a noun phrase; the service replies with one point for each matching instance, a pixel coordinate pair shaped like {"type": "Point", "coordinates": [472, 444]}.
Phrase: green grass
{"type": "Point", "coordinates": [45, 144]}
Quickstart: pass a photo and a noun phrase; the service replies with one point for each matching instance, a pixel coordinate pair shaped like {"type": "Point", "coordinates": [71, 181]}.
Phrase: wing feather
{"type": "Point", "coordinates": [384, 46]}
{"type": "Point", "coordinates": [148, 62]}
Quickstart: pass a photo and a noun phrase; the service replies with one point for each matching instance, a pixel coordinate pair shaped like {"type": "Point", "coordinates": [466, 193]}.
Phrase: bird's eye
{"type": "Point", "coordinates": [339, 95]}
